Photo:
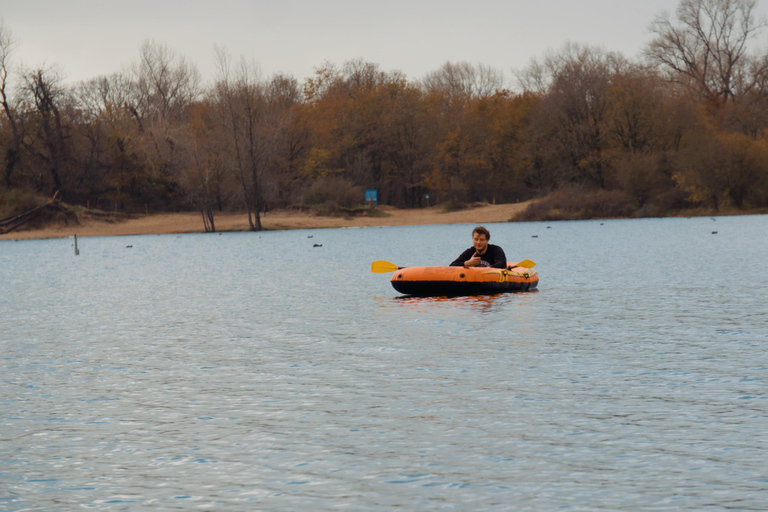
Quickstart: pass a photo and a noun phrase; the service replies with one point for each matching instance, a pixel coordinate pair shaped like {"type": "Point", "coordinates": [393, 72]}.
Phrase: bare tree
{"type": "Point", "coordinates": [706, 47]}
{"type": "Point", "coordinates": [241, 100]}
{"type": "Point", "coordinates": [49, 136]}
{"type": "Point", "coordinates": [105, 96]}
{"type": "Point", "coordinates": [360, 74]}
{"type": "Point", "coordinates": [13, 146]}
{"type": "Point", "coordinates": [287, 124]}
{"type": "Point", "coordinates": [204, 177]}
{"type": "Point", "coordinates": [165, 83]}
{"type": "Point", "coordinates": [463, 80]}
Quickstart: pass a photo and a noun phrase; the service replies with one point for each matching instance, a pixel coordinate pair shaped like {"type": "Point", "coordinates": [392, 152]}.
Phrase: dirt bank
{"type": "Point", "coordinates": [193, 222]}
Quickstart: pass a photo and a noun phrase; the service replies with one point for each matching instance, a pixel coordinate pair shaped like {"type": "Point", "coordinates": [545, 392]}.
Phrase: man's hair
{"type": "Point", "coordinates": [480, 230]}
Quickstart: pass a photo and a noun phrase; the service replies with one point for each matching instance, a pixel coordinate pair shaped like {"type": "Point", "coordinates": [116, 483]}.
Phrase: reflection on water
{"type": "Point", "coordinates": [485, 303]}
{"type": "Point", "coordinates": [205, 372]}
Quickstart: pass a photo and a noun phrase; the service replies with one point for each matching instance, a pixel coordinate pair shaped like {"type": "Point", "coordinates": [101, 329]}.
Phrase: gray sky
{"type": "Point", "coordinates": [87, 38]}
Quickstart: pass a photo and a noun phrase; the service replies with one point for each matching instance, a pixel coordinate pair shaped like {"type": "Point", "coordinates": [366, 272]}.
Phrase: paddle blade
{"type": "Point", "coordinates": [383, 266]}
{"type": "Point", "coordinates": [526, 264]}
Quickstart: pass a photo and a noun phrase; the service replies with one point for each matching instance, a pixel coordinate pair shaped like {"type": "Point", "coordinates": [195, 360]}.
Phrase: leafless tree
{"type": "Point", "coordinates": [49, 134]}
{"type": "Point", "coordinates": [204, 177]}
{"type": "Point", "coordinates": [706, 47]}
{"type": "Point", "coordinates": [462, 79]}
{"type": "Point", "coordinates": [105, 96]}
{"type": "Point", "coordinates": [13, 145]}
{"type": "Point", "coordinates": [287, 124]}
{"type": "Point", "coordinates": [360, 74]}
{"type": "Point", "coordinates": [240, 95]}
{"type": "Point", "coordinates": [165, 83]}
{"type": "Point", "coordinates": [108, 128]}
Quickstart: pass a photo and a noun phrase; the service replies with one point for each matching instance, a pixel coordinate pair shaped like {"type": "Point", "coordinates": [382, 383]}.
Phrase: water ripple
{"type": "Point", "coordinates": [190, 373]}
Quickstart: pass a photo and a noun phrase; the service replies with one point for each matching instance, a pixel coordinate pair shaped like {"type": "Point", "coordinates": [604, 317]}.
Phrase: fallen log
{"type": "Point", "coordinates": [8, 224]}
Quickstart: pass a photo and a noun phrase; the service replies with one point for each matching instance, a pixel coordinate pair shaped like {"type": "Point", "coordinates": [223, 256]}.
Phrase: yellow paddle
{"type": "Point", "coordinates": [526, 264]}
{"type": "Point", "coordinates": [385, 266]}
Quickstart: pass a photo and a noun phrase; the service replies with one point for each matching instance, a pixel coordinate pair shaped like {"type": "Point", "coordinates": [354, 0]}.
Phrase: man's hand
{"type": "Point", "coordinates": [473, 261]}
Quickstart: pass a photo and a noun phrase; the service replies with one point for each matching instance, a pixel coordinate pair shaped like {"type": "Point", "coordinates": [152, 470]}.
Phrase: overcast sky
{"type": "Point", "coordinates": [87, 38]}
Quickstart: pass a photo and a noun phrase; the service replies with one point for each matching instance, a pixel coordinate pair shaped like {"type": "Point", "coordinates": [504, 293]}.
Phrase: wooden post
{"type": "Point", "coordinates": [77, 251]}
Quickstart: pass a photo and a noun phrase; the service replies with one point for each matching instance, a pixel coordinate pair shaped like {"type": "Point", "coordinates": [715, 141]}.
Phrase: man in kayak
{"type": "Point", "coordinates": [481, 254]}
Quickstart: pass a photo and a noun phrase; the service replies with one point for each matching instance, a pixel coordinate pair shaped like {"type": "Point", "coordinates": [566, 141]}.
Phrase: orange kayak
{"type": "Point", "coordinates": [438, 281]}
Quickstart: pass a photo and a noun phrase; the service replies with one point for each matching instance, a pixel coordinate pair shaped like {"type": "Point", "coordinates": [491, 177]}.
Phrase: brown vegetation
{"type": "Point", "coordinates": [595, 133]}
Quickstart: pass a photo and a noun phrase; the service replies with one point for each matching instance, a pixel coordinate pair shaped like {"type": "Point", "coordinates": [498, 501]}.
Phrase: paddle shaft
{"type": "Point", "coordinates": [382, 266]}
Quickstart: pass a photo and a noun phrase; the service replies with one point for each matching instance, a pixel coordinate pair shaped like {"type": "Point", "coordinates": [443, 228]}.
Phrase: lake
{"type": "Point", "coordinates": [256, 371]}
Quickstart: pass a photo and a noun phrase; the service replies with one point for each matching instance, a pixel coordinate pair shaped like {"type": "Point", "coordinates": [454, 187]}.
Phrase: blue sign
{"type": "Point", "coordinates": [372, 196]}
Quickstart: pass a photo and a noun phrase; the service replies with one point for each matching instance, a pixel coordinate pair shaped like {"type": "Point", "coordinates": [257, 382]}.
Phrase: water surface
{"type": "Point", "coordinates": [254, 371]}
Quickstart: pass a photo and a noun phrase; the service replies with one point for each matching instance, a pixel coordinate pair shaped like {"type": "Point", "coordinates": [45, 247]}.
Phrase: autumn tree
{"type": "Point", "coordinates": [205, 179]}
{"type": "Point", "coordinates": [408, 143]}
{"type": "Point", "coordinates": [366, 130]}
{"type": "Point", "coordinates": [505, 119]}
{"type": "Point", "coordinates": [638, 115]}
{"type": "Point", "coordinates": [459, 170]}
{"type": "Point", "coordinates": [575, 84]}
{"type": "Point", "coordinates": [745, 162]}
{"type": "Point", "coordinates": [109, 142]}
{"type": "Point", "coordinates": [721, 168]}
{"type": "Point", "coordinates": [285, 121]}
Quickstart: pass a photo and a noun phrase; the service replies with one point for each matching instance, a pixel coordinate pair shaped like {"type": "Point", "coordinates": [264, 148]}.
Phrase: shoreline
{"type": "Point", "coordinates": [192, 222]}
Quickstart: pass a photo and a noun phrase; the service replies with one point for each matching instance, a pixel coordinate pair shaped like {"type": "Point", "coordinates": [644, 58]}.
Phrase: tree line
{"type": "Point", "coordinates": [685, 125]}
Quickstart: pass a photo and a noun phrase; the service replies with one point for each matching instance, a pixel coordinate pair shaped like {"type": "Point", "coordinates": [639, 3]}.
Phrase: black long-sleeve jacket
{"type": "Point", "coordinates": [494, 257]}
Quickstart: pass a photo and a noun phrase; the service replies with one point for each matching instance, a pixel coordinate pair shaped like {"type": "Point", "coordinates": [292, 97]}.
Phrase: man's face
{"type": "Point", "coordinates": [480, 242]}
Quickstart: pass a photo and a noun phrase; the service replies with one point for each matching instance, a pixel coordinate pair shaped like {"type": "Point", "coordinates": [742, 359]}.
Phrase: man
{"type": "Point", "coordinates": [481, 254]}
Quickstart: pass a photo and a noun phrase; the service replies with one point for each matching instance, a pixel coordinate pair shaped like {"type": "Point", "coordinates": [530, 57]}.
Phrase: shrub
{"type": "Point", "coordinates": [14, 202]}
{"type": "Point", "coordinates": [333, 192]}
{"type": "Point", "coordinates": [17, 202]}
{"type": "Point", "coordinates": [576, 204]}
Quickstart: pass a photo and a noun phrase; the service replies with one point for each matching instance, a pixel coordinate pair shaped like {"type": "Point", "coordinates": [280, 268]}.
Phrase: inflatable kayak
{"type": "Point", "coordinates": [438, 281]}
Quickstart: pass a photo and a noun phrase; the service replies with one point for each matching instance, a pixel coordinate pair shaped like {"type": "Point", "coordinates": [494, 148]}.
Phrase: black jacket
{"type": "Point", "coordinates": [494, 257]}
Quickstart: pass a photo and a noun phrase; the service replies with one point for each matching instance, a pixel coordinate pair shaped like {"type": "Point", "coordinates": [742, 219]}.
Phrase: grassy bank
{"type": "Point", "coordinates": [603, 204]}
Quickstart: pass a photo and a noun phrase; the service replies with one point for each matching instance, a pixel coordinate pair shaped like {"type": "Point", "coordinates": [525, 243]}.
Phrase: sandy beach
{"type": "Point", "coordinates": [193, 222]}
